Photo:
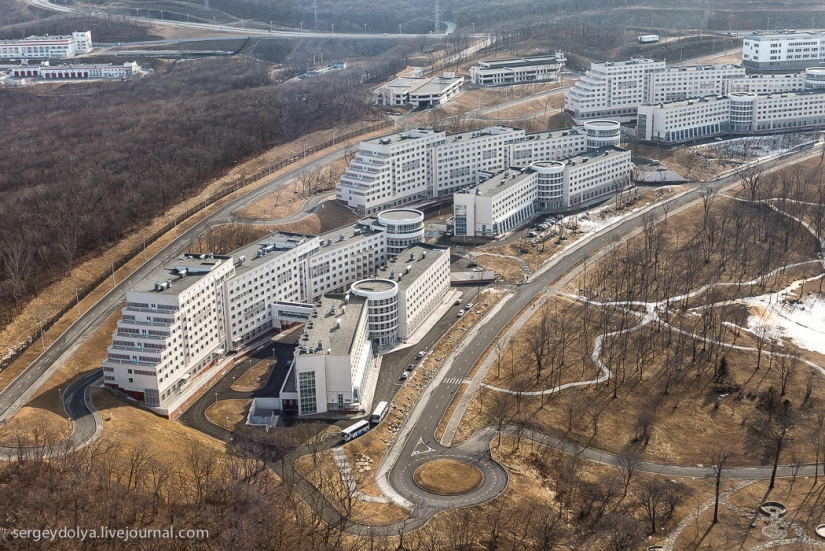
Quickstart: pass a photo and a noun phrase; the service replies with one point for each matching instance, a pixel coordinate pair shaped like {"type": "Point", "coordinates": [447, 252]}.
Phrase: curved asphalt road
{"type": "Point", "coordinates": [419, 444]}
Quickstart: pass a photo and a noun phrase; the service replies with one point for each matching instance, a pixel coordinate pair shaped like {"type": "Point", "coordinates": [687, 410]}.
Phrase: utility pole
{"type": "Point", "coordinates": [437, 17]}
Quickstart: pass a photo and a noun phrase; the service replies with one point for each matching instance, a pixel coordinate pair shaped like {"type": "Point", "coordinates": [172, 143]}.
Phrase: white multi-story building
{"type": "Point", "coordinates": [497, 205]}
{"type": "Point", "coordinates": [498, 72]}
{"type": "Point", "coordinates": [736, 113]}
{"type": "Point", "coordinates": [421, 165]}
{"type": "Point", "coordinates": [345, 256]}
{"type": "Point", "coordinates": [183, 318]}
{"type": "Point", "coordinates": [782, 51]}
{"type": "Point", "coordinates": [333, 357]}
{"type": "Point", "coordinates": [274, 270]}
{"type": "Point", "coordinates": [47, 47]}
{"type": "Point", "coordinates": [766, 84]}
{"type": "Point", "coordinates": [419, 91]}
{"type": "Point", "coordinates": [170, 331]}
{"type": "Point", "coordinates": [614, 90]}
{"type": "Point", "coordinates": [73, 72]}
{"type": "Point", "coordinates": [682, 121]}
{"type": "Point", "coordinates": [505, 201]}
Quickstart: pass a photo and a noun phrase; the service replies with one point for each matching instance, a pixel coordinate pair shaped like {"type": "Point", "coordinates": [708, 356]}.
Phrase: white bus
{"type": "Point", "coordinates": [380, 412]}
{"type": "Point", "coordinates": [355, 430]}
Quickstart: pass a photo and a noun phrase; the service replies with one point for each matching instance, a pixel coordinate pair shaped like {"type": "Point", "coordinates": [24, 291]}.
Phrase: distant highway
{"type": "Point", "coordinates": [236, 29]}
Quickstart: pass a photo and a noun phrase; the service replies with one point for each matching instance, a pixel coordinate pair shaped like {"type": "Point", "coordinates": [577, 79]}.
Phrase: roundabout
{"type": "Point", "coordinates": [447, 477]}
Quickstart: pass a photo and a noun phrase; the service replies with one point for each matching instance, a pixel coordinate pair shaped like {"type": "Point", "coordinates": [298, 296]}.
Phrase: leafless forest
{"type": "Point", "coordinates": [86, 163]}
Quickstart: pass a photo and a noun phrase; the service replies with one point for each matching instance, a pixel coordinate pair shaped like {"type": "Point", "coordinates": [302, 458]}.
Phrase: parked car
{"type": "Point", "coordinates": [460, 313]}
{"type": "Point", "coordinates": [421, 354]}
{"type": "Point", "coordinates": [405, 375]}
{"type": "Point", "coordinates": [457, 301]}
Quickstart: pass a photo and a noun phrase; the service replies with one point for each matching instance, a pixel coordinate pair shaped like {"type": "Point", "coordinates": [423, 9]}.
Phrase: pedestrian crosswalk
{"type": "Point", "coordinates": [453, 380]}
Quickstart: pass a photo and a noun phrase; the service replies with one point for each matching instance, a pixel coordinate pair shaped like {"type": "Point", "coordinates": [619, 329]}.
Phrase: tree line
{"type": "Point", "coordinates": [87, 163]}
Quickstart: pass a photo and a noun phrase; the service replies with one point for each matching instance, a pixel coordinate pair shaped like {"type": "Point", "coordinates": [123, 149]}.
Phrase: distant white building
{"type": "Point", "coordinates": [418, 91]}
{"type": "Point", "coordinates": [737, 114]}
{"type": "Point", "coordinates": [47, 47]}
{"type": "Point", "coordinates": [75, 72]}
{"type": "Point", "coordinates": [506, 200]}
{"type": "Point", "coordinates": [614, 90]}
{"type": "Point", "coordinates": [497, 72]}
{"type": "Point", "coordinates": [782, 51]}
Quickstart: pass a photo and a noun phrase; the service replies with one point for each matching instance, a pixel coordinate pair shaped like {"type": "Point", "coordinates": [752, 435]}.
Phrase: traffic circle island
{"type": "Point", "coordinates": [448, 477]}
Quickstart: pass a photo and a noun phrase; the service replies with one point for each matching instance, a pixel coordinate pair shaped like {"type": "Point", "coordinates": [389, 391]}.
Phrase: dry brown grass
{"type": "Point", "coordinates": [289, 199]}
{"type": "Point", "coordinates": [31, 424]}
{"type": "Point", "coordinates": [806, 508]}
{"type": "Point", "coordinates": [322, 472]}
{"type": "Point", "coordinates": [134, 428]}
{"type": "Point", "coordinates": [255, 377]}
{"type": "Point", "coordinates": [228, 414]}
{"type": "Point", "coordinates": [448, 477]}
{"type": "Point", "coordinates": [507, 269]}
{"type": "Point", "coordinates": [331, 215]}
{"type": "Point", "coordinates": [691, 418]}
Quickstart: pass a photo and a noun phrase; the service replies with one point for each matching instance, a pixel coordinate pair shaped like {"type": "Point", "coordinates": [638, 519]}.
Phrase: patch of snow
{"type": "Point", "coordinates": [801, 322]}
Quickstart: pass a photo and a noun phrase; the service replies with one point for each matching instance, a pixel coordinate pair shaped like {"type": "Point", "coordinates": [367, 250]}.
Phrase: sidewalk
{"type": "Point", "coordinates": [427, 325]}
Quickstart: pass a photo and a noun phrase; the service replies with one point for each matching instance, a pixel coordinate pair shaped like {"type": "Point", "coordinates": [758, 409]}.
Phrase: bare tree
{"type": "Point", "coordinates": [718, 459]}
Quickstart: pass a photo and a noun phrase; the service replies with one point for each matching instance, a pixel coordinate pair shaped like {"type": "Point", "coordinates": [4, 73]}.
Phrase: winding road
{"type": "Point", "coordinates": [416, 443]}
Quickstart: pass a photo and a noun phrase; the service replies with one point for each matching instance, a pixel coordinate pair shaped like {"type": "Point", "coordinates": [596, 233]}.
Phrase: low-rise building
{"type": "Point", "coordinates": [47, 47]}
{"type": "Point", "coordinates": [76, 71]}
{"type": "Point", "coordinates": [498, 72]}
{"type": "Point", "coordinates": [419, 91]}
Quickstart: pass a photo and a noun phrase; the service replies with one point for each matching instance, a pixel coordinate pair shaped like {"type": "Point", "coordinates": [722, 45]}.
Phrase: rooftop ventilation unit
{"type": "Point", "coordinates": [338, 322]}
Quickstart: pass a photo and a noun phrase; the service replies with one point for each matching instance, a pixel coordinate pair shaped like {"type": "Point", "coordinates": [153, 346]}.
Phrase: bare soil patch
{"type": "Point", "coordinates": [448, 477]}
{"type": "Point", "coordinates": [255, 377]}
{"type": "Point", "coordinates": [331, 215]}
{"type": "Point", "coordinates": [228, 414]}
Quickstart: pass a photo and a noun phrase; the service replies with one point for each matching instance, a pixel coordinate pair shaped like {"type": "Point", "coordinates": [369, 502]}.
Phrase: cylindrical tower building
{"type": "Point", "coordinates": [550, 184]}
{"type": "Point", "coordinates": [405, 227]}
{"type": "Point", "coordinates": [382, 308]}
{"type": "Point", "coordinates": [602, 133]}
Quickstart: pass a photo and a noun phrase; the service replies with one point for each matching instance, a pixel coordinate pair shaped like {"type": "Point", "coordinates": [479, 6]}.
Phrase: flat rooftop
{"type": "Point", "coordinates": [501, 182]}
{"type": "Point", "coordinates": [404, 135]}
{"type": "Point", "coordinates": [418, 258]}
{"type": "Point", "coordinates": [779, 35]}
{"type": "Point", "coordinates": [275, 243]}
{"type": "Point", "coordinates": [692, 101]}
{"type": "Point", "coordinates": [325, 329]}
{"type": "Point", "coordinates": [698, 68]}
{"type": "Point", "coordinates": [373, 285]}
{"type": "Point", "coordinates": [398, 215]}
{"type": "Point", "coordinates": [436, 85]}
{"type": "Point", "coordinates": [197, 268]}
{"type": "Point", "coordinates": [483, 133]}
{"type": "Point", "coordinates": [582, 159]}
{"type": "Point", "coordinates": [405, 82]}
{"type": "Point", "coordinates": [345, 236]}
{"type": "Point", "coordinates": [514, 62]}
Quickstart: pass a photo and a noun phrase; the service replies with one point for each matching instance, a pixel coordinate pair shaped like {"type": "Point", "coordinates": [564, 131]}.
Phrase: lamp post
{"type": "Point", "coordinates": [365, 28]}
{"type": "Point", "coordinates": [216, 397]}
{"type": "Point", "coordinates": [77, 296]}
{"type": "Point", "coordinates": [334, 132]}
{"type": "Point", "coordinates": [333, 28]}
{"type": "Point", "coordinates": [161, 15]}
{"type": "Point", "coordinates": [42, 336]}
{"type": "Point", "coordinates": [302, 26]}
